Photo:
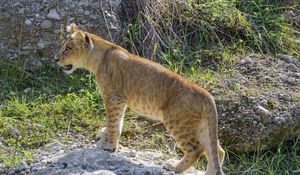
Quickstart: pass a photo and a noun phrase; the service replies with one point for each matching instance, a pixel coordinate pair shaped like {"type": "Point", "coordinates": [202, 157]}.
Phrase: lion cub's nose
{"type": "Point", "coordinates": [56, 58]}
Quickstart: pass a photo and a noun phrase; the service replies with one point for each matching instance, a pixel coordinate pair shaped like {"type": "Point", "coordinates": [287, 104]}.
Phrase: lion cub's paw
{"type": "Point", "coordinates": [103, 142]}
{"type": "Point", "coordinates": [170, 165]}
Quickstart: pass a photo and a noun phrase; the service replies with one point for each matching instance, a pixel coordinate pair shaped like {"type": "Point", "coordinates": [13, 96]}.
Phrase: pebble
{"type": "Point", "coordinates": [247, 60]}
{"type": "Point", "coordinates": [279, 120]}
{"type": "Point", "coordinates": [43, 158]}
{"type": "Point", "coordinates": [11, 172]}
{"type": "Point", "coordinates": [100, 172]}
{"type": "Point", "coordinates": [28, 22]}
{"type": "Point", "coordinates": [37, 64]}
{"type": "Point", "coordinates": [257, 118]}
{"type": "Point", "coordinates": [83, 3]}
{"type": "Point", "coordinates": [53, 15]}
{"type": "Point", "coordinates": [290, 81]}
{"type": "Point", "coordinates": [15, 132]}
{"type": "Point", "coordinates": [264, 103]}
{"type": "Point", "coordinates": [45, 59]}
{"type": "Point", "coordinates": [286, 58]}
{"type": "Point", "coordinates": [132, 153]}
{"type": "Point", "coordinates": [261, 111]}
{"type": "Point", "coordinates": [27, 90]}
{"type": "Point", "coordinates": [41, 45]}
{"type": "Point", "coordinates": [29, 162]}
{"type": "Point", "coordinates": [87, 13]}
{"type": "Point", "coordinates": [46, 24]}
{"type": "Point", "coordinates": [292, 67]}
{"type": "Point", "coordinates": [26, 47]}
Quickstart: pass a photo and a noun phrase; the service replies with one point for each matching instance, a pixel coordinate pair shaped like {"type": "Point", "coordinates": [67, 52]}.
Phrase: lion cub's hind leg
{"type": "Point", "coordinates": [185, 134]}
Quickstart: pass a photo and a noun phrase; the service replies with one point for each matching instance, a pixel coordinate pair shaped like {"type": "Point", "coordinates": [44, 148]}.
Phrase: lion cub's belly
{"type": "Point", "coordinates": [146, 109]}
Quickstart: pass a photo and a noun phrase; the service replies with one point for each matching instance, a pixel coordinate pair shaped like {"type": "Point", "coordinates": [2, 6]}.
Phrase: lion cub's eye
{"type": "Point", "coordinates": [67, 49]}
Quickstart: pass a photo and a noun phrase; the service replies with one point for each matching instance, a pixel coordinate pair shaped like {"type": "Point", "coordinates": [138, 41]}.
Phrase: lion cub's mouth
{"type": "Point", "coordinates": [68, 67]}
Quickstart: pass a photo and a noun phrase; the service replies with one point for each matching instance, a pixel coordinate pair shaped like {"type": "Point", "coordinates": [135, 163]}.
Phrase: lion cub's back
{"type": "Point", "coordinates": [149, 87]}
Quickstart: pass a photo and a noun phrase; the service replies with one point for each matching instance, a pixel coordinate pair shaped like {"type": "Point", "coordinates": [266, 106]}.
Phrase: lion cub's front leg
{"type": "Point", "coordinates": [109, 136]}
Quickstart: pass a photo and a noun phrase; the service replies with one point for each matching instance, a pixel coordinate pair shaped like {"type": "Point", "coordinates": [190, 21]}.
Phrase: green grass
{"type": "Point", "coordinates": [56, 104]}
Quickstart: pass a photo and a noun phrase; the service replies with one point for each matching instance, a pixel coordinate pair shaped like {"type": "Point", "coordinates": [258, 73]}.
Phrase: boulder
{"type": "Point", "coordinates": [258, 107]}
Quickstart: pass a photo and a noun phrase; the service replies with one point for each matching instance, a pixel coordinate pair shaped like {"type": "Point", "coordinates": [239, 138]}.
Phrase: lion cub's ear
{"type": "Point", "coordinates": [84, 39]}
{"type": "Point", "coordinates": [72, 28]}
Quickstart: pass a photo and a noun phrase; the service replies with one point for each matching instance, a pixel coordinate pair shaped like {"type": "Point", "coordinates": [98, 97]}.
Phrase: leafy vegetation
{"type": "Point", "coordinates": [38, 107]}
{"type": "Point", "coordinates": [210, 32]}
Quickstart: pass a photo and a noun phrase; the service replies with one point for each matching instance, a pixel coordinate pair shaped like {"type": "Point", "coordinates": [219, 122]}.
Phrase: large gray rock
{"type": "Point", "coordinates": [259, 103]}
{"type": "Point", "coordinates": [95, 161]}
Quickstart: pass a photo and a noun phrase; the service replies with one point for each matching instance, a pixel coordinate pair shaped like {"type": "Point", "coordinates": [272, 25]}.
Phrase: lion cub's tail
{"type": "Point", "coordinates": [213, 138]}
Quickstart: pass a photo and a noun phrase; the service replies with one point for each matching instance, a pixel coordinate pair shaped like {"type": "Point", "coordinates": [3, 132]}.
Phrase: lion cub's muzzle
{"type": "Point", "coordinates": [63, 67]}
{"type": "Point", "coordinates": [56, 58]}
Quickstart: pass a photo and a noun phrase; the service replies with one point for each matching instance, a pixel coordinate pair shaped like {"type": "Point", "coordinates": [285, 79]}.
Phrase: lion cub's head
{"type": "Point", "coordinates": [74, 49]}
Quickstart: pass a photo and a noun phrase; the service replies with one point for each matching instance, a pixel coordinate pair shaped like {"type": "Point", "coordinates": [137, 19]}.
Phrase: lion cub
{"type": "Point", "coordinates": [187, 111]}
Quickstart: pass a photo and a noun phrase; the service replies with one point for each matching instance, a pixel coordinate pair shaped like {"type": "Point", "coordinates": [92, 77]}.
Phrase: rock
{"type": "Point", "coordinates": [55, 146]}
{"type": "Point", "coordinates": [86, 13]}
{"type": "Point", "coordinates": [2, 144]}
{"type": "Point", "coordinates": [261, 111]}
{"type": "Point", "coordinates": [279, 120]}
{"type": "Point", "coordinates": [41, 45]}
{"type": "Point", "coordinates": [94, 161]}
{"type": "Point", "coordinates": [83, 3]}
{"type": "Point", "coordinates": [37, 64]}
{"type": "Point", "coordinates": [256, 117]}
{"type": "Point", "coordinates": [14, 132]}
{"type": "Point", "coordinates": [292, 67]}
{"type": "Point", "coordinates": [28, 22]}
{"type": "Point", "coordinates": [266, 113]}
{"type": "Point", "coordinates": [27, 90]}
{"type": "Point", "coordinates": [287, 58]}
{"type": "Point", "coordinates": [247, 60]}
{"type": "Point", "coordinates": [29, 162]}
{"type": "Point", "coordinates": [99, 172]}
{"type": "Point", "coordinates": [53, 14]}
{"type": "Point", "coordinates": [46, 24]}
{"type": "Point", "coordinates": [291, 81]}
{"type": "Point", "coordinates": [11, 172]}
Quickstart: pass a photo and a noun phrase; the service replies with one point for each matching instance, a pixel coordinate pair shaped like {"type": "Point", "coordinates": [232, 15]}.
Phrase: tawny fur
{"type": "Point", "coordinates": [187, 111]}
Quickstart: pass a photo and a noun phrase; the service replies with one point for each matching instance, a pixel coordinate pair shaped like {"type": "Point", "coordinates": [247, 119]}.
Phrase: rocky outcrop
{"type": "Point", "coordinates": [56, 158]}
{"type": "Point", "coordinates": [34, 29]}
{"type": "Point", "coordinates": [259, 103]}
